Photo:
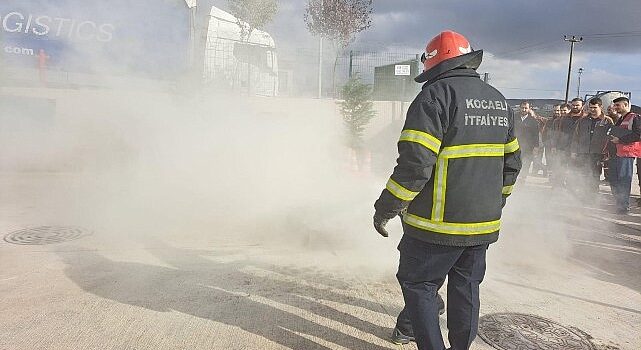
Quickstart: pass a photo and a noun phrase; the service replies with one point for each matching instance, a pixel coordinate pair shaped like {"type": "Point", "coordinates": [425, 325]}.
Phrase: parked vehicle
{"type": "Point", "coordinates": [246, 64]}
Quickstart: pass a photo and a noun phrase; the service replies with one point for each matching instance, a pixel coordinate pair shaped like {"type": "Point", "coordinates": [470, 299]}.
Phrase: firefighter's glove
{"type": "Point", "coordinates": [379, 224]}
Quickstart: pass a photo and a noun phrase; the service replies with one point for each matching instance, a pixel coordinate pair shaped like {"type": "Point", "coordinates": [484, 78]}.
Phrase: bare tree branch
{"type": "Point", "coordinates": [252, 14]}
{"type": "Point", "coordinates": [338, 20]}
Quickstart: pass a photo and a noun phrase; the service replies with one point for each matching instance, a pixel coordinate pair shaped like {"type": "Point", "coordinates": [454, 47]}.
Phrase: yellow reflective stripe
{"type": "Point", "coordinates": [507, 189]}
{"type": "Point", "coordinates": [452, 228]}
{"type": "Point", "coordinates": [423, 138]}
{"type": "Point", "coordinates": [474, 150]}
{"type": "Point", "coordinates": [438, 196]}
{"type": "Point", "coordinates": [512, 146]}
{"type": "Point", "coordinates": [400, 191]}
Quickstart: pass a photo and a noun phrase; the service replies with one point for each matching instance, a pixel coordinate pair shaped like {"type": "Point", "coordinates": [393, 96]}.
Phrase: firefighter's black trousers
{"type": "Point", "coordinates": [421, 272]}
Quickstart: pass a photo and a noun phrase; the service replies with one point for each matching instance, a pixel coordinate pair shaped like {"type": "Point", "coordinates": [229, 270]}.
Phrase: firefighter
{"type": "Point", "coordinates": [458, 161]}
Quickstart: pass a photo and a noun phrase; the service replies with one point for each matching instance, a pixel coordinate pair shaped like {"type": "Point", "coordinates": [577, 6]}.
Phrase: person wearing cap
{"type": "Point", "coordinates": [458, 162]}
{"type": "Point", "coordinates": [628, 147]}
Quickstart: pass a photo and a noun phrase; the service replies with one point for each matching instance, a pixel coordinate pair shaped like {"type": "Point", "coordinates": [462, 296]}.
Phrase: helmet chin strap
{"type": "Point", "coordinates": [471, 60]}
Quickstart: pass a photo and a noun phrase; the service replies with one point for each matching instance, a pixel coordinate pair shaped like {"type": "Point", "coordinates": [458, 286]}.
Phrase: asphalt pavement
{"type": "Point", "coordinates": [71, 281]}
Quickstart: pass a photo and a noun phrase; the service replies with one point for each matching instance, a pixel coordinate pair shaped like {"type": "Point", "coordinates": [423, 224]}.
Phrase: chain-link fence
{"type": "Point", "coordinates": [260, 69]}
{"type": "Point", "coordinates": [241, 66]}
{"type": "Point", "coordinates": [390, 74]}
{"type": "Point", "coordinates": [364, 63]}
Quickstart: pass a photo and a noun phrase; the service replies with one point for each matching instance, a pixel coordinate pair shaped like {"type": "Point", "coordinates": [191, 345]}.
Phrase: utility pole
{"type": "Point", "coordinates": [320, 67]}
{"type": "Point", "coordinates": [199, 21]}
{"type": "Point", "coordinates": [193, 34]}
{"type": "Point", "coordinates": [573, 40]}
{"type": "Point", "coordinates": [578, 87]}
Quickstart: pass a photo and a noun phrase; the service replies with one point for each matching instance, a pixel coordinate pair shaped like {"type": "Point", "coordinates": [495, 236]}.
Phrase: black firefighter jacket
{"type": "Point", "coordinates": [458, 160]}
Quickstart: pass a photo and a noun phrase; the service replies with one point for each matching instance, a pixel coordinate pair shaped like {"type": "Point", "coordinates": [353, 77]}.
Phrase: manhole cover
{"type": "Point", "coordinates": [45, 235]}
{"type": "Point", "coordinates": [509, 331]}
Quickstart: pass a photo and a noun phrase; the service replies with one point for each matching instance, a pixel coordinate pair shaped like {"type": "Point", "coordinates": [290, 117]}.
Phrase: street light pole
{"type": "Point", "coordinates": [573, 40]}
{"type": "Point", "coordinates": [578, 86]}
{"type": "Point", "coordinates": [320, 61]}
{"type": "Point", "coordinates": [320, 67]}
{"type": "Point", "coordinates": [197, 41]}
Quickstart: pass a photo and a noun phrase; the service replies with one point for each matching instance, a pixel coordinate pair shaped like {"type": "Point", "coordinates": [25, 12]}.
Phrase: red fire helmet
{"type": "Point", "coordinates": [446, 45]}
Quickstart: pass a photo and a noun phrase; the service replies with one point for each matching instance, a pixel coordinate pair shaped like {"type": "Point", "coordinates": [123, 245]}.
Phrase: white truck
{"type": "Point", "coordinates": [606, 97]}
{"type": "Point", "coordinates": [249, 66]}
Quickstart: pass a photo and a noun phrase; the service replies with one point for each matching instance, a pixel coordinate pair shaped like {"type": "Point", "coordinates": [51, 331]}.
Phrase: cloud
{"type": "Point", "coordinates": [515, 79]}
{"type": "Point", "coordinates": [513, 29]}
{"type": "Point", "coordinates": [502, 26]}
{"type": "Point", "coordinates": [523, 35]}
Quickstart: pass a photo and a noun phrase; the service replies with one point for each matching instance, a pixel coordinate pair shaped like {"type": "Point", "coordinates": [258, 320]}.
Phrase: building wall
{"type": "Point", "coordinates": [145, 38]}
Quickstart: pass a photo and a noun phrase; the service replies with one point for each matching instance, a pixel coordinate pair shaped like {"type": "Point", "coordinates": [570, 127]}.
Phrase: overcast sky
{"type": "Point", "coordinates": [523, 40]}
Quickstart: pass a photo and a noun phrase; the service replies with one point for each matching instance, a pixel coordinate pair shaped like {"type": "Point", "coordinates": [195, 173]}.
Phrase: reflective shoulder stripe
{"type": "Point", "coordinates": [466, 229]}
{"type": "Point", "coordinates": [507, 189]}
{"type": "Point", "coordinates": [399, 191]}
{"type": "Point", "coordinates": [423, 138]}
{"type": "Point", "coordinates": [512, 146]}
{"type": "Point", "coordinates": [474, 150]}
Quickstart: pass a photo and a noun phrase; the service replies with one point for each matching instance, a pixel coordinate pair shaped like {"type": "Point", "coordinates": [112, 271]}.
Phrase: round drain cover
{"type": "Point", "coordinates": [510, 331]}
{"type": "Point", "coordinates": [45, 235]}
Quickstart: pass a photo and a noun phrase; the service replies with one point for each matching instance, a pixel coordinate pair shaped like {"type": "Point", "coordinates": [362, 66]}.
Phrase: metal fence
{"type": "Point", "coordinates": [390, 74]}
{"type": "Point", "coordinates": [244, 67]}
{"type": "Point", "coordinates": [255, 69]}
{"type": "Point", "coordinates": [364, 63]}
{"type": "Point", "coordinates": [298, 72]}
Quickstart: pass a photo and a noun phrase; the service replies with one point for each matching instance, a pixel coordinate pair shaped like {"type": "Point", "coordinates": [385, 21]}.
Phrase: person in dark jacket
{"type": "Point", "coordinates": [567, 126]}
{"type": "Point", "coordinates": [548, 136]}
{"type": "Point", "coordinates": [628, 147]}
{"type": "Point", "coordinates": [458, 162]}
{"type": "Point", "coordinates": [559, 155]}
{"type": "Point", "coordinates": [526, 127]}
{"type": "Point", "coordinates": [589, 143]}
{"type": "Point", "coordinates": [610, 149]}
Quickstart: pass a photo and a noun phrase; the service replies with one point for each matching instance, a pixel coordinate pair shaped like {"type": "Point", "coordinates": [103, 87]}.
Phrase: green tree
{"type": "Point", "coordinates": [357, 109]}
